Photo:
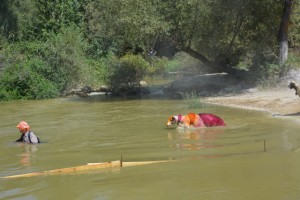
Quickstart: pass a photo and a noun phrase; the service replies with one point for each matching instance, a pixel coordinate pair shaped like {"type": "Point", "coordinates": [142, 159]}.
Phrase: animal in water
{"type": "Point", "coordinates": [196, 120]}
{"type": "Point", "coordinates": [294, 86]}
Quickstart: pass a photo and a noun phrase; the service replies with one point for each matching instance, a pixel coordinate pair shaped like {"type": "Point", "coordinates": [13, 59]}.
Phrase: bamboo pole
{"type": "Point", "coordinates": [89, 166]}
{"type": "Point", "coordinates": [131, 164]}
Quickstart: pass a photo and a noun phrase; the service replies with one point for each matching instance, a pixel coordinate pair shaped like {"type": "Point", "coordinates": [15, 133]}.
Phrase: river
{"type": "Point", "coordinates": [256, 156]}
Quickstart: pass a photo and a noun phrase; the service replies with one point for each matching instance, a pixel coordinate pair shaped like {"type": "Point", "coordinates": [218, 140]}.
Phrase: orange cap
{"type": "Point", "coordinates": [23, 125]}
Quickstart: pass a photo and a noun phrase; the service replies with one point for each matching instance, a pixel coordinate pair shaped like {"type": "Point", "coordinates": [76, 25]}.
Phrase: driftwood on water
{"type": "Point", "coordinates": [89, 166]}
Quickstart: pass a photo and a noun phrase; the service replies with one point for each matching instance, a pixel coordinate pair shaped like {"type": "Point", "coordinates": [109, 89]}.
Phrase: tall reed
{"type": "Point", "coordinates": [192, 99]}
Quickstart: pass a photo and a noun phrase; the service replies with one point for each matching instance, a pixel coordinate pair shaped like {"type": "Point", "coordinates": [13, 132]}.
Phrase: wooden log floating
{"type": "Point", "coordinates": [89, 166]}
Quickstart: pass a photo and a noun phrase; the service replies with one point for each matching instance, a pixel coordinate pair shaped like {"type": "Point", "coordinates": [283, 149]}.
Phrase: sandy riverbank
{"type": "Point", "coordinates": [281, 101]}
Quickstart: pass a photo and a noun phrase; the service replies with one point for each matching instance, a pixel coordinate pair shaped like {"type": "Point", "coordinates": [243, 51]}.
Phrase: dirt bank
{"type": "Point", "coordinates": [281, 101]}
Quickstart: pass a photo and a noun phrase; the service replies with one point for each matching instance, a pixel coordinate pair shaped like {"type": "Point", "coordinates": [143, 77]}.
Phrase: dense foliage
{"type": "Point", "coordinates": [49, 47]}
{"type": "Point", "coordinates": [124, 74]}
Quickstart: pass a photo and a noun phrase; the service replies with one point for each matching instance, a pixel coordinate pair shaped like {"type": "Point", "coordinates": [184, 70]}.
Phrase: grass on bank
{"type": "Point", "coordinates": [192, 100]}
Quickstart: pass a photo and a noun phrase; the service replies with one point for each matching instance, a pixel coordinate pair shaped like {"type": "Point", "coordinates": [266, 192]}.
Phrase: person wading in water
{"type": "Point", "coordinates": [27, 135]}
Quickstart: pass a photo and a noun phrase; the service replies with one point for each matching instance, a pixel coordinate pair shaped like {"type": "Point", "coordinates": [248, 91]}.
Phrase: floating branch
{"type": "Point", "coordinates": [89, 166]}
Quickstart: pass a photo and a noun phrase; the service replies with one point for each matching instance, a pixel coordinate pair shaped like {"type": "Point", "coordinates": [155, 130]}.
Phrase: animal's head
{"type": "Point", "coordinates": [292, 85]}
{"type": "Point", "coordinates": [173, 120]}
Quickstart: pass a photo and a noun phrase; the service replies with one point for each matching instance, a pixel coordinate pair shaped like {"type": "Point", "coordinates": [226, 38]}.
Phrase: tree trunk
{"type": "Point", "coordinates": [283, 31]}
{"type": "Point", "coordinates": [214, 67]}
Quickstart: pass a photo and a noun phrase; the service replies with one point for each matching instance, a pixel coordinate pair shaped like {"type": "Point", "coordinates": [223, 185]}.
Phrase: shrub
{"type": "Point", "coordinates": [38, 70]}
{"type": "Point", "coordinates": [157, 66]}
{"type": "Point", "coordinates": [21, 81]}
{"type": "Point", "coordinates": [64, 54]}
{"type": "Point", "coordinates": [124, 74]}
{"type": "Point", "coordinates": [95, 73]}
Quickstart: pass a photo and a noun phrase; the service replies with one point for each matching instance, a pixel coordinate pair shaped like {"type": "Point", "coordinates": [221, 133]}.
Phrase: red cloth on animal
{"type": "Point", "coordinates": [211, 120]}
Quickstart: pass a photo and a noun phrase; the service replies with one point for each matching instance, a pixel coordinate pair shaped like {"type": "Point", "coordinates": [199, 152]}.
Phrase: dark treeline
{"type": "Point", "coordinates": [49, 47]}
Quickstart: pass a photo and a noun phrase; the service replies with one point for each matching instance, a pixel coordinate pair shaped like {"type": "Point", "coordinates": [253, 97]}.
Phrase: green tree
{"type": "Point", "coordinates": [222, 33]}
{"type": "Point", "coordinates": [8, 19]}
{"type": "Point", "coordinates": [294, 30]}
{"type": "Point", "coordinates": [64, 53]}
{"type": "Point", "coordinates": [51, 16]}
{"type": "Point", "coordinates": [122, 26]}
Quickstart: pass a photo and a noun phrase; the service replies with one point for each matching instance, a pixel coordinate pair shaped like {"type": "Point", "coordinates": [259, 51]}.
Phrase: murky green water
{"type": "Point", "coordinates": [212, 163]}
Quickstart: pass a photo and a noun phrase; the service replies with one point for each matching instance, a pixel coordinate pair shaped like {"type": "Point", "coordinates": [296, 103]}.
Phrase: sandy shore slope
{"type": "Point", "coordinates": [282, 101]}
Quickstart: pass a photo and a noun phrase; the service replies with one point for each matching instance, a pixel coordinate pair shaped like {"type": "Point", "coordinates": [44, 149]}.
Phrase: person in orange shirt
{"type": "Point", "coordinates": [27, 136]}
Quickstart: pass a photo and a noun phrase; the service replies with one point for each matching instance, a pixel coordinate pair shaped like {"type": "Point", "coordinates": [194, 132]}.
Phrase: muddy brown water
{"type": "Point", "coordinates": [212, 163]}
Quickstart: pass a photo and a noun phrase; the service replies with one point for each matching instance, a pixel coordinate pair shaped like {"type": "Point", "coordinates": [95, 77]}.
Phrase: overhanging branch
{"type": "Point", "coordinates": [216, 67]}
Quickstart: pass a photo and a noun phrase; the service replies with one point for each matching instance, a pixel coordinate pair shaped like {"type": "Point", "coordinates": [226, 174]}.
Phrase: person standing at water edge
{"type": "Point", "coordinates": [27, 135]}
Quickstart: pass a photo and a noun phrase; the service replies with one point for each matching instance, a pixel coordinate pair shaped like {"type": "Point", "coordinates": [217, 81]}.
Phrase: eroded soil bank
{"type": "Point", "coordinates": [281, 101]}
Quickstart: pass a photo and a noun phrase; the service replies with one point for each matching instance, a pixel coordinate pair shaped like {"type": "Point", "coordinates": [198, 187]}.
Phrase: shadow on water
{"type": "Point", "coordinates": [287, 115]}
{"type": "Point", "coordinates": [293, 114]}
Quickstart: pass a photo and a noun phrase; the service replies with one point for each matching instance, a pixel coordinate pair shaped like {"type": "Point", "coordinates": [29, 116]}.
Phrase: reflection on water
{"type": "Point", "coordinates": [212, 163]}
{"type": "Point", "coordinates": [194, 138]}
{"type": "Point", "coordinates": [28, 151]}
